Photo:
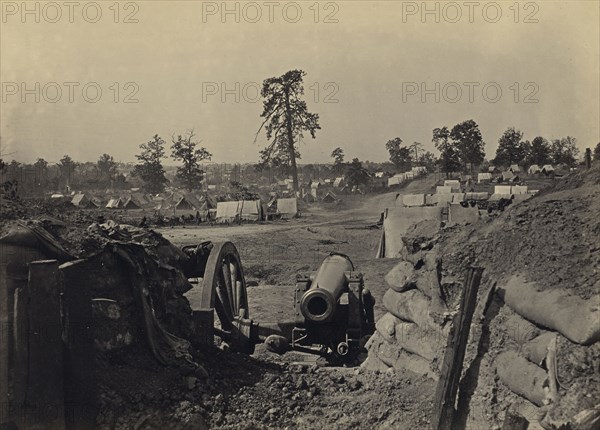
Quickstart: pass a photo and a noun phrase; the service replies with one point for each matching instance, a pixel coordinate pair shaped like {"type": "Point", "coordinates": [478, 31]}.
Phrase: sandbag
{"type": "Point", "coordinates": [401, 359]}
{"type": "Point", "coordinates": [428, 281]}
{"type": "Point", "coordinates": [519, 329]}
{"type": "Point", "coordinates": [412, 306]}
{"type": "Point", "coordinates": [575, 318]}
{"type": "Point", "coordinates": [408, 336]}
{"type": "Point", "coordinates": [373, 363]}
{"type": "Point", "coordinates": [386, 327]}
{"type": "Point", "coordinates": [536, 350]}
{"type": "Point", "coordinates": [522, 377]}
{"type": "Point", "coordinates": [402, 277]}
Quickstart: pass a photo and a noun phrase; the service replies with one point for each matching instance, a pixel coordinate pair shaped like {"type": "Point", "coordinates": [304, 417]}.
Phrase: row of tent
{"type": "Point", "coordinates": [534, 168]}
{"type": "Point", "coordinates": [516, 192]}
{"type": "Point", "coordinates": [400, 178]}
{"type": "Point", "coordinates": [255, 210]}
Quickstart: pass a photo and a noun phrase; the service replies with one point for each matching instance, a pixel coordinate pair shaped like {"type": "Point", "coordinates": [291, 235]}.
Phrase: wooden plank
{"type": "Point", "coordinates": [80, 381]}
{"type": "Point", "coordinates": [455, 353]}
{"type": "Point", "coordinates": [45, 389]}
{"type": "Point", "coordinates": [5, 305]}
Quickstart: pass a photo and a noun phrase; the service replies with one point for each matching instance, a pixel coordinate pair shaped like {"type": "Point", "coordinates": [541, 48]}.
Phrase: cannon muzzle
{"type": "Point", "coordinates": [319, 303]}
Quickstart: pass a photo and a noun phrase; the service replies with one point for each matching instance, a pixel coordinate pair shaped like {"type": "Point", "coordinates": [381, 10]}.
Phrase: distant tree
{"type": "Point", "coordinates": [565, 151]}
{"type": "Point", "coordinates": [428, 160]}
{"type": "Point", "coordinates": [286, 119]}
{"type": "Point", "coordinates": [40, 164]}
{"type": "Point", "coordinates": [399, 155]}
{"type": "Point", "coordinates": [67, 168]}
{"type": "Point", "coordinates": [357, 174]}
{"type": "Point", "coordinates": [416, 147]}
{"type": "Point", "coordinates": [190, 173]}
{"type": "Point", "coordinates": [467, 139]}
{"type": "Point", "coordinates": [107, 166]}
{"type": "Point", "coordinates": [338, 155]}
{"type": "Point", "coordinates": [338, 160]}
{"type": "Point", "coordinates": [538, 152]}
{"type": "Point", "coordinates": [150, 169]}
{"type": "Point", "coordinates": [41, 171]}
{"type": "Point", "coordinates": [449, 160]}
{"type": "Point", "coordinates": [511, 148]}
{"type": "Point", "coordinates": [597, 152]}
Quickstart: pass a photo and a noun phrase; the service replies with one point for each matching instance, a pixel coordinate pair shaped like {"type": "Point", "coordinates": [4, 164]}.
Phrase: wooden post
{"type": "Point", "coordinates": [4, 336]}
{"type": "Point", "coordinates": [455, 353]}
{"type": "Point", "coordinates": [44, 404]}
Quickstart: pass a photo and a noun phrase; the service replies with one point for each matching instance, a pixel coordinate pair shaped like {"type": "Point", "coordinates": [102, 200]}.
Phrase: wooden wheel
{"type": "Point", "coordinates": [224, 290]}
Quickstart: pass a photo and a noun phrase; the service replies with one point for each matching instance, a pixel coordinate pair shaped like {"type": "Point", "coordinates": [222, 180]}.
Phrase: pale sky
{"type": "Point", "coordinates": [372, 57]}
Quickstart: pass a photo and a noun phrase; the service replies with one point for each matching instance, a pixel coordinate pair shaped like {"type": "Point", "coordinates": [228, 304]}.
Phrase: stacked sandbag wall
{"type": "Point", "coordinates": [543, 357]}
{"type": "Point", "coordinates": [412, 333]}
{"type": "Point", "coordinates": [531, 353]}
{"type": "Point", "coordinates": [534, 353]}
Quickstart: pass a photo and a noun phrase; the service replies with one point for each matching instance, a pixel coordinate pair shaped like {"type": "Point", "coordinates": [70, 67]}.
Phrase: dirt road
{"type": "Point", "coordinates": [283, 394]}
{"type": "Point", "coordinates": [273, 253]}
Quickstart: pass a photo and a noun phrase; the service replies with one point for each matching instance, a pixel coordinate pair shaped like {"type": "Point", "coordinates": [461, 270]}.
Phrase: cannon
{"type": "Point", "coordinates": [333, 309]}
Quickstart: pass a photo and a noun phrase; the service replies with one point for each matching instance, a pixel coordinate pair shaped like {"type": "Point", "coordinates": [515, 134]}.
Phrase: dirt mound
{"type": "Point", "coordinates": [553, 242]}
{"type": "Point", "coordinates": [553, 238]}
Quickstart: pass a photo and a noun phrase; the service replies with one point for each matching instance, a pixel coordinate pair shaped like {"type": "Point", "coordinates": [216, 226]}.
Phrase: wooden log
{"type": "Point", "coordinates": [45, 389]}
{"type": "Point", "coordinates": [455, 353]}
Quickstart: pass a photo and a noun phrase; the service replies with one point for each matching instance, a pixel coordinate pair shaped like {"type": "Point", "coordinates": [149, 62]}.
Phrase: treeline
{"type": "Point", "coordinates": [462, 148]}
{"type": "Point", "coordinates": [42, 176]}
{"type": "Point", "coordinates": [513, 149]}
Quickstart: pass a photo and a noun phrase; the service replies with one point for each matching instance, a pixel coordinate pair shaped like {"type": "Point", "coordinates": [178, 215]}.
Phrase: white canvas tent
{"type": "Point", "coordinates": [397, 221]}
{"type": "Point", "coordinates": [339, 182]}
{"type": "Point", "coordinates": [481, 177]}
{"type": "Point", "coordinates": [410, 200]}
{"type": "Point", "coordinates": [454, 183]}
{"type": "Point", "coordinates": [228, 211]}
{"type": "Point", "coordinates": [443, 189]}
{"type": "Point", "coordinates": [534, 168]}
{"type": "Point", "coordinates": [287, 208]}
{"type": "Point", "coordinates": [251, 210]}
{"type": "Point", "coordinates": [84, 201]}
{"type": "Point", "coordinates": [113, 203]}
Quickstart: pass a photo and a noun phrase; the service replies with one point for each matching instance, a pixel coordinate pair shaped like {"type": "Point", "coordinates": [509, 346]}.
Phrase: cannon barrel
{"type": "Point", "coordinates": [319, 303]}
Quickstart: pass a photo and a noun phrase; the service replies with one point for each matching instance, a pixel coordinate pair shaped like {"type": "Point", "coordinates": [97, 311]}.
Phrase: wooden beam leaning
{"type": "Point", "coordinates": [452, 365]}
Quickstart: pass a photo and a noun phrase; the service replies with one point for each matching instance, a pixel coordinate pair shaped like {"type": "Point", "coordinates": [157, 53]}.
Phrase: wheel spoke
{"type": "Point", "coordinates": [240, 298]}
{"type": "Point", "coordinates": [234, 284]}
{"type": "Point", "coordinates": [222, 313]}
{"type": "Point", "coordinates": [226, 275]}
{"type": "Point", "coordinates": [224, 299]}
